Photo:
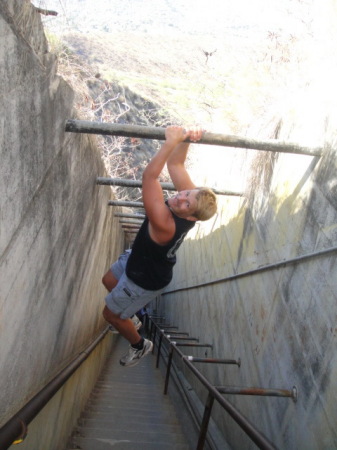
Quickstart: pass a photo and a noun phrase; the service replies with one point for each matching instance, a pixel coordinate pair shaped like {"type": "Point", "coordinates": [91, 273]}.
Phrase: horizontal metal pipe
{"type": "Point", "coordinates": [131, 222]}
{"type": "Point", "coordinates": [260, 440]}
{"type": "Point", "coordinates": [274, 266]}
{"type": "Point", "coordinates": [158, 318]}
{"type": "Point", "coordinates": [135, 221]}
{"type": "Point", "coordinates": [175, 332]}
{"type": "Point", "coordinates": [131, 216]}
{"type": "Point", "coordinates": [46, 12]}
{"type": "Point", "coordinates": [13, 428]}
{"type": "Point", "coordinates": [126, 203]}
{"type": "Point", "coordinates": [165, 186]}
{"type": "Point", "coordinates": [237, 390]}
{"type": "Point", "coordinates": [213, 360]}
{"type": "Point", "coordinates": [137, 131]}
{"type": "Point", "coordinates": [190, 344]}
{"type": "Point", "coordinates": [181, 338]}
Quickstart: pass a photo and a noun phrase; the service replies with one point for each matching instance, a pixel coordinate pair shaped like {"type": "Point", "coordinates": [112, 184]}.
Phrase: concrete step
{"type": "Point", "coordinates": [138, 392]}
{"type": "Point", "coordinates": [130, 404]}
{"type": "Point", "coordinates": [155, 418]}
{"type": "Point", "coordinates": [123, 444]}
{"type": "Point", "coordinates": [131, 409]}
{"type": "Point", "coordinates": [128, 410]}
{"type": "Point", "coordinates": [135, 430]}
{"type": "Point", "coordinates": [154, 435]}
{"type": "Point", "coordinates": [126, 423]}
{"type": "Point", "coordinates": [136, 388]}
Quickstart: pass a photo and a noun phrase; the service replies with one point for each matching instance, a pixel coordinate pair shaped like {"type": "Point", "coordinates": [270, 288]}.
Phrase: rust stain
{"type": "Point", "coordinates": [263, 313]}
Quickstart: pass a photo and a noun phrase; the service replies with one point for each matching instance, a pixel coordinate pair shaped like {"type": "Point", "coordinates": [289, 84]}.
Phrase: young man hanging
{"type": "Point", "coordinates": [141, 274]}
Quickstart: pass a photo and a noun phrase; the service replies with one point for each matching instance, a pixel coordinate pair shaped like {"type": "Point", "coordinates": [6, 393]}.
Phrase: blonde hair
{"type": "Point", "coordinates": [206, 204]}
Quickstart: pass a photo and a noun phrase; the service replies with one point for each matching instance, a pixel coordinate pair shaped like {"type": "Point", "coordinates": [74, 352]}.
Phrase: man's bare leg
{"type": "Point", "coordinates": [109, 280]}
{"type": "Point", "coordinates": [125, 326]}
{"type": "Point", "coordinates": [139, 347]}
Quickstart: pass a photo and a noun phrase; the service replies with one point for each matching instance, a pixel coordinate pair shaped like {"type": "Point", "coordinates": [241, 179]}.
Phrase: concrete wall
{"type": "Point", "coordinates": [281, 321]}
{"type": "Point", "coordinates": [58, 237]}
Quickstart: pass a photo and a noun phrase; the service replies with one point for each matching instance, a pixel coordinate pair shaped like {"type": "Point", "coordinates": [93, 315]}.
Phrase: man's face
{"type": "Point", "coordinates": [184, 203]}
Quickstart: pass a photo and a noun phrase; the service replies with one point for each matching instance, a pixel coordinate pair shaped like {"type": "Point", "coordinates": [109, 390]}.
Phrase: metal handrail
{"type": "Point", "coordinates": [267, 267]}
{"type": "Point", "coordinates": [213, 394]}
{"type": "Point", "coordinates": [16, 427]}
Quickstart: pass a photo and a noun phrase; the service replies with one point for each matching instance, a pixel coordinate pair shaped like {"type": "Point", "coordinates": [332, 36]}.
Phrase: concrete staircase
{"type": "Point", "coordinates": [128, 410]}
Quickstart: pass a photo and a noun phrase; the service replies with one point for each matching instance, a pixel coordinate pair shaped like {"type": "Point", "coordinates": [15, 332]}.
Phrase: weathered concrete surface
{"type": "Point", "coordinates": [281, 321]}
{"type": "Point", "coordinates": [57, 238]}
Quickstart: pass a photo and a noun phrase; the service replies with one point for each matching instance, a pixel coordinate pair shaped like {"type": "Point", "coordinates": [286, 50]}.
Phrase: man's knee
{"type": "Point", "coordinates": [109, 281]}
{"type": "Point", "coordinates": [109, 316]}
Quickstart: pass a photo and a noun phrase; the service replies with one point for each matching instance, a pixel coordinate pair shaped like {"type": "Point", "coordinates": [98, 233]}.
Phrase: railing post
{"type": "Point", "coordinates": [146, 324]}
{"type": "Point", "coordinates": [168, 369]}
{"type": "Point", "coordinates": [205, 421]}
{"type": "Point", "coordinates": [154, 339]}
{"type": "Point", "coordinates": [255, 435]}
{"type": "Point", "coordinates": [159, 347]}
{"type": "Point", "coordinates": [151, 330]}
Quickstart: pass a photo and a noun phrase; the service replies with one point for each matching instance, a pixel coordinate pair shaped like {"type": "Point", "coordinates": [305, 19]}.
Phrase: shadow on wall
{"type": "Point", "coordinates": [280, 321]}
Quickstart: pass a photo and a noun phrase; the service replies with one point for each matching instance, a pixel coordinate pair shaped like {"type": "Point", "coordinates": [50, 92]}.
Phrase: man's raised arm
{"type": "Point", "coordinates": [162, 225]}
{"type": "Point", "coordinates": [176, 161]}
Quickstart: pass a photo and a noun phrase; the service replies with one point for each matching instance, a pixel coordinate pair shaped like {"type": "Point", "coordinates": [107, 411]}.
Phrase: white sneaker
{"type": "Point", "coordinates": [133, 356]}
{"type": "Point", "coordinates": [137, 323]}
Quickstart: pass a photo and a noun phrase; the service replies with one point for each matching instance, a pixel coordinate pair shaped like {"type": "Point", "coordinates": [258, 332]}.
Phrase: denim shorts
{"type": "Point", "coordinates": [127, 297]}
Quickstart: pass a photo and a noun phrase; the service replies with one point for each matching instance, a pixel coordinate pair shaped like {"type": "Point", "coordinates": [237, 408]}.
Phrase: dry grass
{"type": "Point", "coordinates": [227, 90]}
{"type": "Point", "coordinates": [244, 87]}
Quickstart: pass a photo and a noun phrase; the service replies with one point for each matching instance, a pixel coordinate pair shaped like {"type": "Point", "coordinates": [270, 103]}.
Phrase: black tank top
{"type": "Point", "coordinates": [150, 265]}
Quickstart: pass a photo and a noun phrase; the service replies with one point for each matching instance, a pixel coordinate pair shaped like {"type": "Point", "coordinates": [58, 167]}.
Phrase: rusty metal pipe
{"type": "Point", "coordinates": [257, 437]}
{"type": "Point", "coordinates": [137, 131]}
{"type": "Point", "coordinates": [182, 338]}
{"type": "Point", "coordinates": [213, 360]}
{"type": "Point", "coordinates": [131, 216]}
{"type": "Point", "coordinates": [131, 222]}
{"type": "Point", "coordinates": [260, 440]}
{"type": "Point", "coordinates": [237, 390]}
{"type": "Point", "coordinates": [183, 333]}
{"type": "Point", "coordinates": [126, 203]}
{"type": "Point", "coordinates": [190, 344]}
{"type": "Point", "coordinates": [165, 186]}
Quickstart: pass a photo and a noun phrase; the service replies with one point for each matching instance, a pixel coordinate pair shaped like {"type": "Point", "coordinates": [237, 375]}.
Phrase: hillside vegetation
{"type": "Point", "coordinates": [146, 71]}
